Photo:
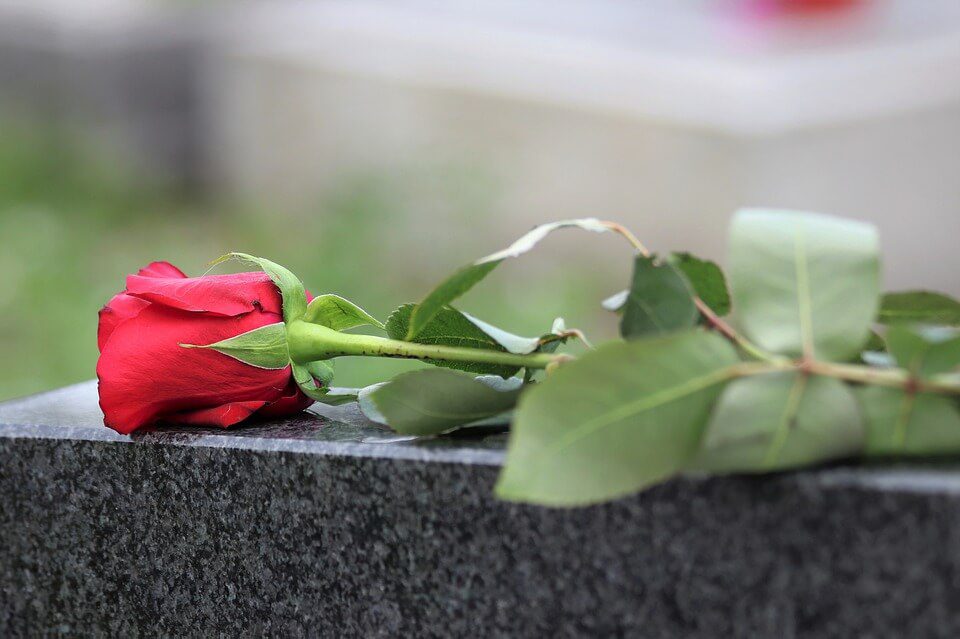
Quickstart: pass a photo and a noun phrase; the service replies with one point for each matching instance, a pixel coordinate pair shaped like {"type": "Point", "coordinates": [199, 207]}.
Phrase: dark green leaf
{"type": "Point", "coordinates": [804, 284]}
{"type": "Point", "coordinates": [875, 342]}
{"type": "Point", "coordinates": [338, 313]}
{"type": "Point", "coordinates": [620, 418]}
{"type": "Point", "coordinates": [780, 420]}
{"type": "Point", "coordinates": [903, 424]}
{"type": "Point", "coordinates": [264, 347]}
{"type": "Point", "coordinates": [432, 401]}
{"type": "Point", "coordinates": [513, 343]}
{"type": "Point", "coordinates": [919, 306]}
{"type": "Point", "coordinates": [449, 290]}
{"type": "Point", "coordinates": [464, 279]}
{"type": "Point", "coordinates": [707, 280]}
{"type": "Point", "coordinates": [305, 380]}
{"type": "Point", "coordinates": [875, 352]}
{"type": "Point", "coordinates": [449, 327]}
{"type": "Point", "coordinates": [924, 350]}
{"type": "Point", "coordinates": [291, 288]}
{"type": "Point", "coordinates": [660, 300]}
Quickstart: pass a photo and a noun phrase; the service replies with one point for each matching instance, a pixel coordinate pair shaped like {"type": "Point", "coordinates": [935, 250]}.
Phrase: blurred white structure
{"type": "Point", "coordinates": [121, 73]}
{"type": "Point", "coordinates": [668, 115]}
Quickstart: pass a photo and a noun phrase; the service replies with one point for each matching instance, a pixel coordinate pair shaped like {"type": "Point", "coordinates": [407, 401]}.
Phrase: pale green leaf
{"type": "Point", "coordinates": [618, 419]}
{"type": "Point", "coordinates": [338, 313]}
{"type": "Point", "coordinates": [336, 396]}
{"type": "Point", "coordinates": [780, 420]}
{"type": "Point", "coordinates": [367, 407]}
{"type": "Point", "coordinates": [264, 347]}
{"type": "Point", "coordinates": [501, 420]}
{"type": "Point", "coordinates": [660, 300]}
{"type": "Point", "coordinates": [465, 278]}
{"type": "Point", "coordinates": [291, 288]}
{"type": "Point", "coordinates": [924, 350]}
{"type": "Point", "coordinates": [803, 283]}
{"type": "Point", "coordinates": [900, 423]}
{"type": "Point", "coordinates": [432, 401]}
{"type": "Point", "coordinates": [919, 306]}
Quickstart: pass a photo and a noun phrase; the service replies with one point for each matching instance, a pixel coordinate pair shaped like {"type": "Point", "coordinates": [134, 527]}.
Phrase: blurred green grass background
{"type": "Point", "coordinates": [73, 224]}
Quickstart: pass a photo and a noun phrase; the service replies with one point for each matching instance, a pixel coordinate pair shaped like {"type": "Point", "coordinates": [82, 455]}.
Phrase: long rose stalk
{"type": "Point", "coordinates": [218, 349]}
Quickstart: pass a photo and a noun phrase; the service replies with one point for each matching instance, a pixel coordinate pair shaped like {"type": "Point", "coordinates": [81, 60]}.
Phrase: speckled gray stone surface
{"type": "Point", "coordinates": [327, 526]}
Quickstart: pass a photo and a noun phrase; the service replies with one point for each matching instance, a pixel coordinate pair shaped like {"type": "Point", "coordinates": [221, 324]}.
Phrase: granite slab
{"type": "Point", "coordinates": [327, 525]}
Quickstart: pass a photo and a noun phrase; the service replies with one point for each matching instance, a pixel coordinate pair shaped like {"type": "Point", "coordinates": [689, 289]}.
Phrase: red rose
{"type": "Point", "coordinates": [145, 376]}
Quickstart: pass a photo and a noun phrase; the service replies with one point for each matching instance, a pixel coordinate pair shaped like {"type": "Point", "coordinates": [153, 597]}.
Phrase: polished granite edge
{"type": "Point", "coordinates": [72, 413]}
{"type": "Point", "coordinates": [912, 479]}
{"type": "Point", "coordinates": [325, 524]}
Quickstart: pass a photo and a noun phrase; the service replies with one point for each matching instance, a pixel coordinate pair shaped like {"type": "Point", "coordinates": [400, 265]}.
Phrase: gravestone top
{"type": "Point", "coordinates": [328, 525]}
{"type": "Point", "coordinates": [72, 413]}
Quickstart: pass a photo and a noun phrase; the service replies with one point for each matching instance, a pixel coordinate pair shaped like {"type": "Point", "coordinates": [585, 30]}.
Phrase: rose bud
{"type": "Point", "coordinates": [146, 375]}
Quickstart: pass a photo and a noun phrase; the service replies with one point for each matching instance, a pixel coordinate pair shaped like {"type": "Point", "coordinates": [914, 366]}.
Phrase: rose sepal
{"type": "Point", "coordinates": [264, 347]}
{"type": "Point", "coordinates": [291, 288]}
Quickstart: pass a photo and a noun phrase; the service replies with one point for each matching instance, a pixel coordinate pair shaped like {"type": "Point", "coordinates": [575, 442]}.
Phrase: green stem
{"type": "Point", "coordinates": [311, 342]}
{"type": "Point", "coordinates": [892, 377]}
{"type": "Point", "coordinates": [896, 377]}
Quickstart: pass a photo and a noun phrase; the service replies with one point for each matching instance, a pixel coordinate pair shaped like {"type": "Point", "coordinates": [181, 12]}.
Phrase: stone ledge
{"type": "Point", "coordinates": [72, 413]}
{"type": "Point", "coordinates": [326, 525]}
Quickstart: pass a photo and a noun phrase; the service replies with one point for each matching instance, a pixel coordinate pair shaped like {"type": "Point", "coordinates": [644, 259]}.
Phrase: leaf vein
{"type": "Point", "coordinates": [641, 405]}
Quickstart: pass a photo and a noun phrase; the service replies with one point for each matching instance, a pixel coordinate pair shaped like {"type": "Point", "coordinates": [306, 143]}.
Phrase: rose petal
{"type": "Point", "coordinates": [119, 309]}
{"type": "Point", "coordinates": [122, 306]}
{"type": "Point", "coordinates": [161, 269]}
{"type": "Point", "coordinates": [227, 295]}
{"type": "Point", "coordinates": [145, 373]}
{"type": "Point", "coordinates": [293, 401]}
{"type": "Point", "coordinates": [223, 416]}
